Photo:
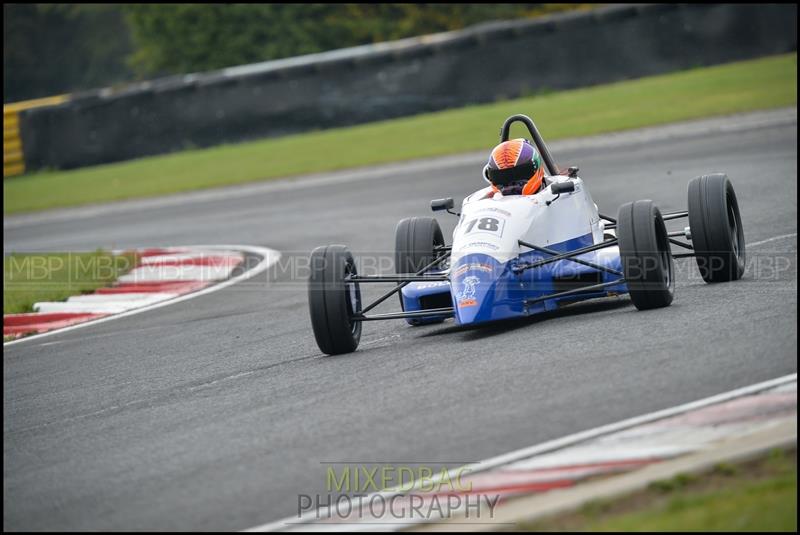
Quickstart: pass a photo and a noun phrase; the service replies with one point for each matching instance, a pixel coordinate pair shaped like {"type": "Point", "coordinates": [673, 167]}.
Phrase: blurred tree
{"type": "Point", "coordinates": [195, 37]}
{"type": "Point", "coordinates": [55, 48]}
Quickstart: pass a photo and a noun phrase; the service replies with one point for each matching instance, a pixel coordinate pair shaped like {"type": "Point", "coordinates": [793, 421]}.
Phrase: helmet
{"type": "Point", "coordinates": [514, 168]}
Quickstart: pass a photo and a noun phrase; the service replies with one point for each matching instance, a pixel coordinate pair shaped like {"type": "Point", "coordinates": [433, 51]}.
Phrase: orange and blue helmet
{"type": "Point", "coordinates": [515, 167]}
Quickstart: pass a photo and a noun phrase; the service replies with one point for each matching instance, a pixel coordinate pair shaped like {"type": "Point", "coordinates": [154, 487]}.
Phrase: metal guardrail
{"type": "Point", "coordinates": [13, 155]}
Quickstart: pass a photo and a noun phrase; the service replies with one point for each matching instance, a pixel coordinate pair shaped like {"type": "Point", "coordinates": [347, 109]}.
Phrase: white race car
{"type": "Point", "coordinates": [519, 255]}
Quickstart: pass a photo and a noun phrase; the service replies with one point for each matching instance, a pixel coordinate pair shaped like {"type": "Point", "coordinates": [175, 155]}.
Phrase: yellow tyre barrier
{"type": "Point", "coordinates": [13, 155]}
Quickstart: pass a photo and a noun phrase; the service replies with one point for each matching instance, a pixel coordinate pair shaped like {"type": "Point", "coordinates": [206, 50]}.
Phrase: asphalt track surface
{"type": "Point", "coordinates": [217, 412]}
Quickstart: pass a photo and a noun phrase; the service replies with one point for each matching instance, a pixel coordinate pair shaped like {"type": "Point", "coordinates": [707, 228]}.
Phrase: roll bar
{"type": "Point", "coordinates": [549, 162]}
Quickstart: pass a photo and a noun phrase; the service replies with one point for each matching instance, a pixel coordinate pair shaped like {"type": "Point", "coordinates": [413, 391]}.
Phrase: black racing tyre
{"type": "Point", "coordinates": [645, 254]}
{"type": "Point", "coordinates": [415, 239]}
{"type": "Point", "coordinates": [716, 227]}
{"type": "Point", "coordinates": [332, 302]}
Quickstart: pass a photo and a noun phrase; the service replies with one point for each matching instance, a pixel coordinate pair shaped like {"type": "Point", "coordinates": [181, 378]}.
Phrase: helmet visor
{"type": "Point", "coordinates": [506, 177]}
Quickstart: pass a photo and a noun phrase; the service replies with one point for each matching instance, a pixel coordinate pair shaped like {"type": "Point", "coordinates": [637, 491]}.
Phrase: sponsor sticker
{"type": "Point", "coordinates": [475, 266]}
{"type": "Point", "coordinates": [466, 296]}
{"type": "Point", "coordinates": [482, 245]}
{"type": "Point", "coordinates": [496, 210]}
{"type": "Point", "coordinates": [425, 285]}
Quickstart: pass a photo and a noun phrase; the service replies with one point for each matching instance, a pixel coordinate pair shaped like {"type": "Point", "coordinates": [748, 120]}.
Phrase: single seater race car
{"type": "Point", "coordinates": [519, 255]}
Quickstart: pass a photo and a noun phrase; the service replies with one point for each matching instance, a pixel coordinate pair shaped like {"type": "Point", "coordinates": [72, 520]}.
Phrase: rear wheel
{"type": "Point", "coordinates": [332, 301]}
{"type": "Point", "coordinates": [716, 227]}
{"type": "Point", "coordinates": [416, 239]}
{"type": "Point", "coordinates": [645, 254]}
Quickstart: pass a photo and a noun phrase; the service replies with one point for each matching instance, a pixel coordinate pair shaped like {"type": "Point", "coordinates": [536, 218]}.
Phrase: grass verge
{"type": "Point", "coordinates": [759, 495]}
{"type": "Point", "coordinates": [702, 92]}
{"type": "Point", "coordinates": [29, 278]}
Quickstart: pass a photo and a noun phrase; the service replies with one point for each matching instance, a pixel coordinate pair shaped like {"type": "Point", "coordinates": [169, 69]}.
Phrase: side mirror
{"type": "Point", "coordinates": [442, 204]}
{"type": "Point", "coordinates": [562, 187]}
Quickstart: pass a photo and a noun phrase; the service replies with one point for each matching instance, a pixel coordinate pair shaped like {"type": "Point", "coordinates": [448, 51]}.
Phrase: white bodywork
{"type": "Point", "coordinates": [493, 225]}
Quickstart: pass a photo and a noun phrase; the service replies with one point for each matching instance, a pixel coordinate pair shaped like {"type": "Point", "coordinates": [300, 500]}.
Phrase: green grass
{"type": "Point", "coordinates": [736, 87]}
{"type": "Point", "coordinates": [754, 496]}
{"type": "Point", "coordinates": [29, 278]}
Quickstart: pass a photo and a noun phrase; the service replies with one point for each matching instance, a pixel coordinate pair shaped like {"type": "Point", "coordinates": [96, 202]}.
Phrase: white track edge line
{"type": "Point", "coordinates": [558, 443]}
{"type": "Point", "coordinates": [268, 258]}
{"type": "Point", "coordinates": [775, 238]}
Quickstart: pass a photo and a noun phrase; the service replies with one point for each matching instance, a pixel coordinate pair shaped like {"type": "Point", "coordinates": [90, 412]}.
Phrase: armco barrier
{"type": "Point", "coordinates": [356, 85]}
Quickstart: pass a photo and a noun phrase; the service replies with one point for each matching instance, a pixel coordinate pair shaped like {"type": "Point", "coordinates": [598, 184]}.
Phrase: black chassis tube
{"type": "Point", "coordinates": [665, 217]}
{"type": "Point", "coordinates": [538, 140]}
{"type": "Point", "coordinates": [402, 315]}
{"type": "Point", "coordinates": [675, 215]}
{"type": "Point", "coordinates": [404, 280]}
{"type": "Point", "coordinates": [680, 244]}
{"type": "Point", "coordinates": [576, 260]}
{"type": "Point", "coordinates": [575, 291]}
{"type": "Point", "coordinates": [678, 215]}
{"type": "Point", "coordinates": [671, 235]}
{"type": "Point", "coordinates": [403, 277]}
{"type": "Point", "coordinates": [568, 256]}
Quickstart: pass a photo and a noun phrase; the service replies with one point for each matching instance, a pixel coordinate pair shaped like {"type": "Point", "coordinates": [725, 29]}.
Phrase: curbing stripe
{"type": "Point", "coordinates": [538, 506]}
{"type": "Point", "coordinates": [268, 258]}
{"type": "Point", "coordinates": [109, 305]}
{"type": "Point", "coordinates": [184, 259]}
{"type": "Point", "coordinates": [162, 265]}
{"type": "Point", "coordinates": [119, 297]}
{"type": "Point", "coordinates": [306, 521]}
{"type": "Point", "coordinates": [192, 266]}
{"type": "Point", "coordinates": [25, 325]}
{"type": "Point", "coordinates": [154, 287]}
{"type": "Point", "coordinates": [176, 273]}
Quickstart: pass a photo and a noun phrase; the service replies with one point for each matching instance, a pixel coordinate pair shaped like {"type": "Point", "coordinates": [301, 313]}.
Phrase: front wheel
{"type": "Point", "coordinates": [645, 254]}
{"type": "Point", "coordinates": [416, 240]}
{"type": "Point", "coordinates": [716, 227]}
{"type": "Point", "coordinates": [333, 302]}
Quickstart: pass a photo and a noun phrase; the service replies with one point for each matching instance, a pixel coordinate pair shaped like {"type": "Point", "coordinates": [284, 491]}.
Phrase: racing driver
{"type": "Point", "coordinates": [515, 168]}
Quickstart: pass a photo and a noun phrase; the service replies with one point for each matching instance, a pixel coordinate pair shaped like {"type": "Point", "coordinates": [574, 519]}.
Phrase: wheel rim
{"type": "Point", "coordinates": [734, 226]}
{"type": "Point", "coordinates": [354, 298]}
{"type": "Point", "coordinates": [664, 251]}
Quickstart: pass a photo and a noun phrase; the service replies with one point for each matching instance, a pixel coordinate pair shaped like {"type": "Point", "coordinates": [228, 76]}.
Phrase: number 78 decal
{"type": "Point", "coordinates": [485, 224]}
